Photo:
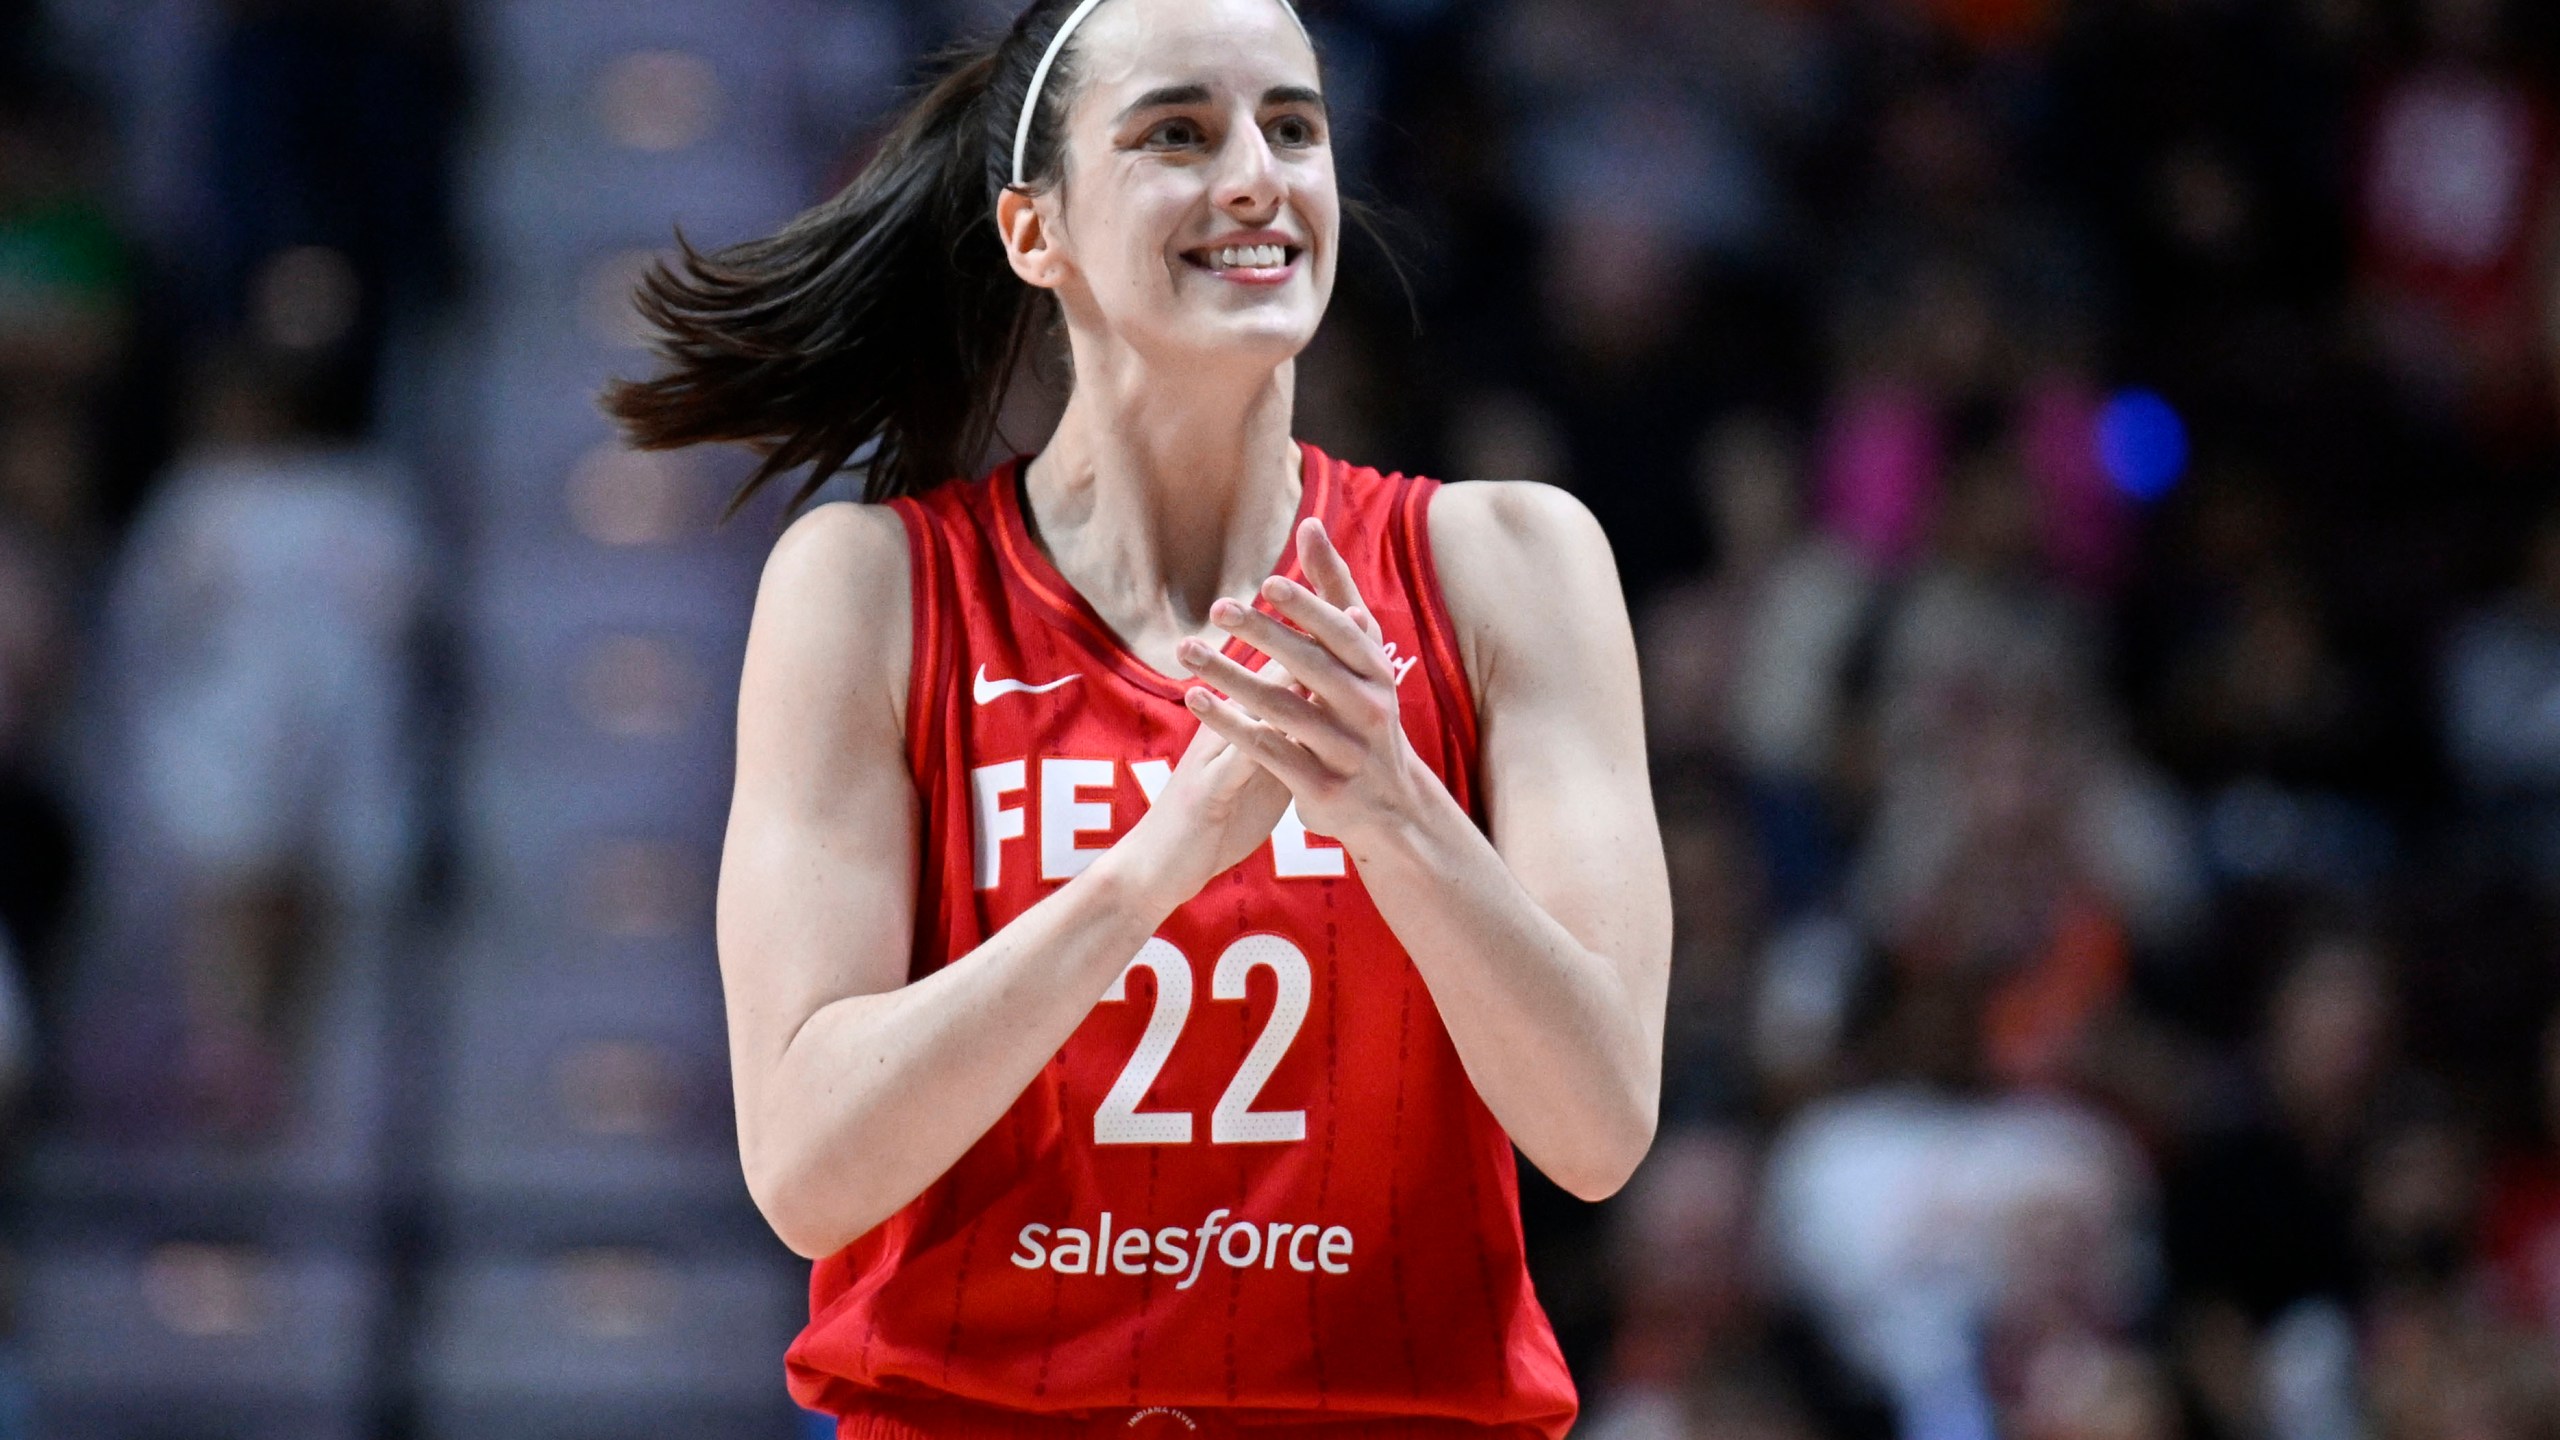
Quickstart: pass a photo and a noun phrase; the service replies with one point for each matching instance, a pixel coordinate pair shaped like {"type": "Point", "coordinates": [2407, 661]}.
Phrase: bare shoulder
{"type": "Point", "coordinates": [832, 613]}
{"type": "Point", "coordinates": [839, 551]}
{"type": "Point", "coordinates": [1522, 565]}
{"type": "Point", "coordinates": [1522, 516]}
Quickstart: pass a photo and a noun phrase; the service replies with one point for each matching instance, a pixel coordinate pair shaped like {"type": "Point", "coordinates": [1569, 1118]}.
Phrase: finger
{"type": "Point", "coordinates": [1278, 673]}
{"type": "Point", "coordinates": [1269, 748]}
{"type": "Point", "coordinates": [1323, 674]}
{"type": "Point", "coordinates": [1284, 709]}
{"type": "Point", "coordinates": [1332, 627]}
{"type": "Point", "coordinates": [1231, 769]}
{"type": "Point", "coordinates": [1279, 704]}
{"type": "Point", "coordinates": [1325, 566]}
{"type": "Point", "coordinates": [1367, 622]}
{"type": "Point", "coordinates": [1294, 650]}
{"type": "Point", "coordinates": [1204, 745]}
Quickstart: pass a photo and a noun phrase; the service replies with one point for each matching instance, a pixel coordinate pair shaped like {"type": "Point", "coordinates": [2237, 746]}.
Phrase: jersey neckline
{"type": "Point", "coordinates": [1031, 565]}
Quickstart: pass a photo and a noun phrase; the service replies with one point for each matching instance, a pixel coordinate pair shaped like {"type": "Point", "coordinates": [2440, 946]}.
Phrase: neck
{"type": "Point", "coordinates": [1158, 494]}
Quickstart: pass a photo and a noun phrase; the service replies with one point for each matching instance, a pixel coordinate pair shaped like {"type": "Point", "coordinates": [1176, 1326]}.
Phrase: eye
{"type": "Point", "coordinates": [1179, 133]}
{"type": "Point", "coordinates": [1295, 131]}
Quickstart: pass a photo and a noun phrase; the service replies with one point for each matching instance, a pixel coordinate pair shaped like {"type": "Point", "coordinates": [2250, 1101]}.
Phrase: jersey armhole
{"type": "Point", "coordinates": [1446, 663]}
{"type": "Point", "coordinates": [926, 623]}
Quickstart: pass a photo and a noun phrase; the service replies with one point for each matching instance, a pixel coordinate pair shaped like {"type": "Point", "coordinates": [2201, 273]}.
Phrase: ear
{"type": "Point", "coordinates": [1024, 222]}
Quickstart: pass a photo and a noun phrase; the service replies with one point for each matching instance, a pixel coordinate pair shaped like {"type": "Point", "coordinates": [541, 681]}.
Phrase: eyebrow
{"type": "Point", "coordinates": [1168, 96]}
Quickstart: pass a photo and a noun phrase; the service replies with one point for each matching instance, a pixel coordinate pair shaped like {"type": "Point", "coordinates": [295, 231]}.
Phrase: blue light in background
{"type": "Point", "coordinates": [2142, 444]}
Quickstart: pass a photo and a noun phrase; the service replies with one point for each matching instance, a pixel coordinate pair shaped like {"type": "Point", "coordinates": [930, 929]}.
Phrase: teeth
{"type": "Point", "coordinates": [1250, 257]}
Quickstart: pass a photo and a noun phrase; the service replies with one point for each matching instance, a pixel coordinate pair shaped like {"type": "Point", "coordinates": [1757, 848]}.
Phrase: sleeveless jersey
{"type": "Point", "coordinates": [1255, 1188]}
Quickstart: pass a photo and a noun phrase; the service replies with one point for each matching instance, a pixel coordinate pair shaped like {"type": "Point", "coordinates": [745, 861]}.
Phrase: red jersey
{"type": "Point", "coordinates": [1255, 1188]}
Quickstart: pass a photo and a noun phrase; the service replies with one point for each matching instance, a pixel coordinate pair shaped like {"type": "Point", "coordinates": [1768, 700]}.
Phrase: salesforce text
{"type": "Point", "coordinates": [1174, 1250]}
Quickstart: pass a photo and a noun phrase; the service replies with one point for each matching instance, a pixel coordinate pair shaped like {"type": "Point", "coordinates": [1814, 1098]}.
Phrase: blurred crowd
{"type": "Point", "coordinates": [2084, 473]}
{"type": "Point", "coordinates": [214, 218]}
{"type": "Point", "coordinates": [2085, 477]}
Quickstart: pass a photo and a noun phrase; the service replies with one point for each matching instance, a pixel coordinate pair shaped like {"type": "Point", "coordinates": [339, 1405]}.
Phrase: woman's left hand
{"type": "Point", "coordinates": [1336, 737]}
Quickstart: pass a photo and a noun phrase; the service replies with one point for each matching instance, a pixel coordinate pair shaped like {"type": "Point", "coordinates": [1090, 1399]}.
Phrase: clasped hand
{"type": "Point", "coordinates": [1330, 727]}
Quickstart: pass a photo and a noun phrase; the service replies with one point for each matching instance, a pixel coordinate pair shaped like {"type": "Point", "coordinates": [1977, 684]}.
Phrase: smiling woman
{"type": "Point", "coordinates": [1167, 875]}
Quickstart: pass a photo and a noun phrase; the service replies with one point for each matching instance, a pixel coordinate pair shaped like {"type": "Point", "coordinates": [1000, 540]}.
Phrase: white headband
{"type": "Point", "coordinates": [1049, 59]}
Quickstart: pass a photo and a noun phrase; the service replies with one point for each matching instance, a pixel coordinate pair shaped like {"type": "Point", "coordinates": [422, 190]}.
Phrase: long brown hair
{"type": "Point", "coordinates": [882, 327]}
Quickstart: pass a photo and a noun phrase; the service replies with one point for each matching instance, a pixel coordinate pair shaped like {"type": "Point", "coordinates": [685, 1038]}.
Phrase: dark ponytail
{"type": "Point", "coordinates": [882, 327]}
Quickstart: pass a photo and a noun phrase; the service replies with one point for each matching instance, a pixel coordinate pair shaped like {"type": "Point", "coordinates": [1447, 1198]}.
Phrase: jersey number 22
{"type": "Point", "coordinates": [1234, 1121]}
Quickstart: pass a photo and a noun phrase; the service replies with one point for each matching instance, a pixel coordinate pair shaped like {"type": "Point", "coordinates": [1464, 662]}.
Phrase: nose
{"type": "Point", "coordinates": [1249, 181]}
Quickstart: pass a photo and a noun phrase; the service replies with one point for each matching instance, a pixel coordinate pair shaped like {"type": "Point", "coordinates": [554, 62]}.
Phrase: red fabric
{"type": "Point", "coordinates": [883, 1418]}
{"type": "Point", "coordinates": [1399, 1291]}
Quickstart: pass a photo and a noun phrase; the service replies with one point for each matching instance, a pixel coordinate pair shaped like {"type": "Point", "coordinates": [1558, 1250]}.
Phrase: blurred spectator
{"type": "Point", "coordinates": [2502, 710]}
{"type": "Point", "coordinates": [65, 302]}
{"type": "Point", "coordinates": [2519, 1233]}
{"type": "Point", "coordinates": [1717, 903]}
{"type": "Point", "coordinates": [1663, 118]}
{"type": "Point", "coordinates": [2014, 837]}
{"type": "Point", "coordinates": [2250, 697]}
{"type": "Point", "coordinates": [2439, 1370]}
{"type": "Point", "coordinates": [2456, 201]}
{"type": "Point", "coordinates": [1702, 1348]}
{"type": "Point", "coordinates": [1680, 1267]}
{"type": "Point", "coordinates": [1955, 1243]}
{"type": "Point", "coordinates": [1618, 298]}
{"type": "Point", "coordinates": [2419, 1194]}
{"type": "Point", "coordinates": [2261, 1212]}
{"type": "Point", "coordinates": [262, 614]}
{"type": "Point", "coordinates": [2266, 692]}
{"type": "Point", "coordinates": [1749, 665]}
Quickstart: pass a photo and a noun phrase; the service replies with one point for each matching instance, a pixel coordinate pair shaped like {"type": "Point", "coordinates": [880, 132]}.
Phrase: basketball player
{"type": "Point", "coordinates": [1167, 874]}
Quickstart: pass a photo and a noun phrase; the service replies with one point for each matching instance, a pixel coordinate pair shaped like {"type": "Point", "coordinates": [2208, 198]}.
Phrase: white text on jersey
{"type": "Point", "coordinates": [1073, 1250]}
{"type": "Point", "coordinates": [1074, 800]}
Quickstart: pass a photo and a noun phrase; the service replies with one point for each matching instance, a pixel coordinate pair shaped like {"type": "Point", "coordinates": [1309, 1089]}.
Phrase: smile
{"type": "Point", "coordinates": [1264, 264]}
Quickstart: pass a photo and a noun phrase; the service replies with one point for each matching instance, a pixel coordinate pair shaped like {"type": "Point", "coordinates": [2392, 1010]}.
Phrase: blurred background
{"type": "Point", "coordinates": [2084, 472]}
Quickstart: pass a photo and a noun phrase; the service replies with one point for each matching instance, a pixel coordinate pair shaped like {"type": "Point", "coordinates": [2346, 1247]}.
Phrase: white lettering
{"type": "Point", "coordinates": [1033, 1256]}
{"type": "Point", "coordinates": [1292, 858]}
{"type": "Point", "coordinates": [1208, 1228]}
{"type": "Point", "coordinates": [1064, 814]}
{"type": "Point", "coordinates": [1298, 1262]}
{"type": "Point", "coordinates": [1335, 1241]}
{"type": "Point", "coordinates": [1111, 1248]}
{"type": "Point", "coordinates": [988, 785]}
{"type": "Point", "coordinates": [1081, 1245]}
{"type": "Point", "coordinates": [1252, 1246]}
{"type": "Point", "coordinates": [1153, 776]}
{"type": "Point", "coordinates": [1129, 1252]}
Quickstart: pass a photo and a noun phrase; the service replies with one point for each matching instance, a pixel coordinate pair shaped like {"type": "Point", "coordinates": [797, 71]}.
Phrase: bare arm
{"type": "Point", "coordinates": [1546, 948]}
{"type": "Point", "coordinates": [856, 1090]}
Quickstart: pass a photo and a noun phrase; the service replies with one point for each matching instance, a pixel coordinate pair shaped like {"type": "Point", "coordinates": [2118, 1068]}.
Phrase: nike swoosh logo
{"type": "Point", "coordinates": [986, 689]}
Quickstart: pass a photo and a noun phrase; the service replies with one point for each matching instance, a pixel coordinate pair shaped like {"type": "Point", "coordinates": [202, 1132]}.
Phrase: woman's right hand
{"type": "Point", "coordinates": [1218, 806]}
